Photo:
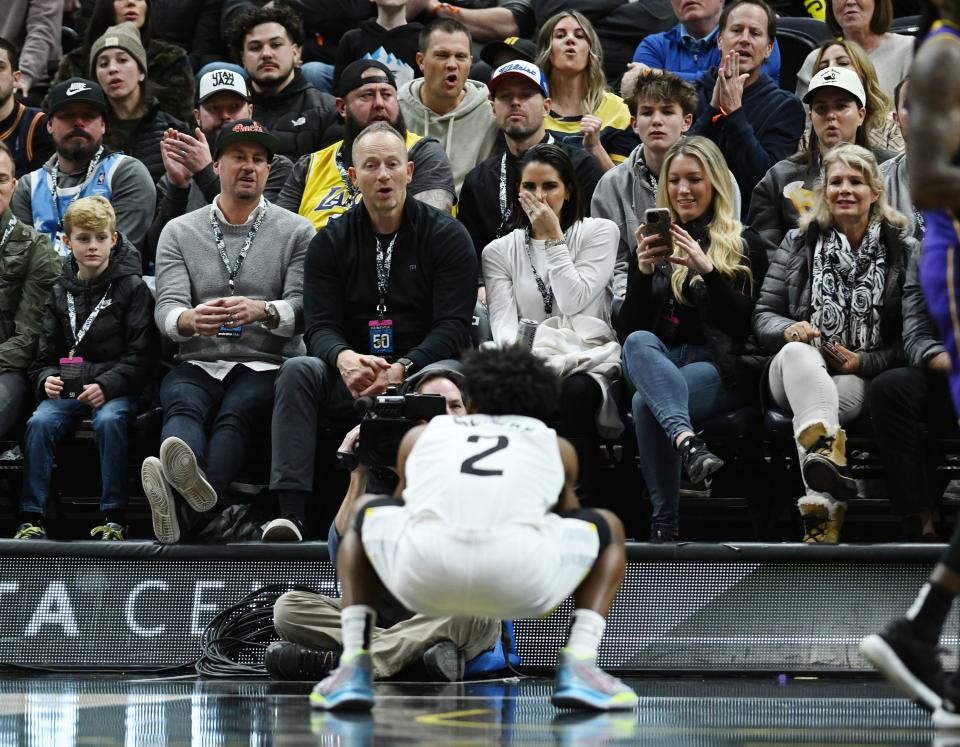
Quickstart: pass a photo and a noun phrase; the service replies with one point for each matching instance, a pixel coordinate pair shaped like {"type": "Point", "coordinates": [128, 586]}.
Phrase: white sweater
{"type": "Point", "coordinates": [580, 274]}
{"type": "Point", "coordinates": [891, 59]}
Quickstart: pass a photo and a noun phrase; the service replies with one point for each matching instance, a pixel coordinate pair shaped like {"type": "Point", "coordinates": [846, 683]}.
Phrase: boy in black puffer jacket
{"type": "Point", "coordinates": [98, 323]}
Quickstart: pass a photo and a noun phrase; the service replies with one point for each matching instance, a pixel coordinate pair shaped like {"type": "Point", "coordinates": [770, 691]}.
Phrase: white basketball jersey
{"type": "Point", "coordinates": [478, 471]}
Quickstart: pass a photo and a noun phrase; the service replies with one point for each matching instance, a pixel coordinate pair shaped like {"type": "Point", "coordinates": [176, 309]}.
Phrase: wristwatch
{"type": "Point", "coordinates": [407, 366]}
{"type": "Point", "coordinates": [272, 316]}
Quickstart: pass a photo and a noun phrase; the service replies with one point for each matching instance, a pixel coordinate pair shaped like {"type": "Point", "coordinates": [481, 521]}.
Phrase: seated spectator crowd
{"type": "Point", "coordinates": [258, 229]}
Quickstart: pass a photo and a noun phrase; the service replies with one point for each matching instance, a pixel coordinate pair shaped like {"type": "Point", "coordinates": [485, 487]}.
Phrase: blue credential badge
{"type": "Point", "coordinates": [381, 337]}
{"type": "Point", "coordinates": [226, 331]}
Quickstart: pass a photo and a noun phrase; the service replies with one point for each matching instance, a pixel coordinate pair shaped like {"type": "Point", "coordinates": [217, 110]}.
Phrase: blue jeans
{"type": "Point", "coordinates": [319, 75]}
{"type": "Point", "coordinates": [55, 418]}
{"type": "Point", "coordinates": [674, 387]}
{"type": "Point", "coordinates": [232, 411]}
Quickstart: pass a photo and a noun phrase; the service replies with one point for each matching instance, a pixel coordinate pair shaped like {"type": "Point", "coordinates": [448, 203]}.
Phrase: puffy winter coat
{"type": "Point", "coordinates": [121, 347]}
{"type": "Point", "coordinates": [785, 297]}
{"type": "Point", "coordinates": [144, 142]}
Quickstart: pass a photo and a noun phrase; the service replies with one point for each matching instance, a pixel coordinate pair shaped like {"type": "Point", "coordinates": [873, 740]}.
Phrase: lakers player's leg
{"type": "Point", "coordinates": [579, 682]}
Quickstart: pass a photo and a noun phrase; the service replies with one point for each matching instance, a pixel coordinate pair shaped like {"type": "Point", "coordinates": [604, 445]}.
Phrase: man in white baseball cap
{"type": "Point", "coordinates": [190, 181]}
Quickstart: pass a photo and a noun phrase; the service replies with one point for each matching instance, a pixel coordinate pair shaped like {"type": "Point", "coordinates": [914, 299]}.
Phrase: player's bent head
{"type": "Point", "coordinates": [510, 381]}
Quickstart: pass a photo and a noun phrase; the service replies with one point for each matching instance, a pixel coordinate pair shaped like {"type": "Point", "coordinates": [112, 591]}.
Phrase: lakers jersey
{"type": "Point", "coordinates": [479, 471]}
{"type": "Point", "coordinates": [326, 193]}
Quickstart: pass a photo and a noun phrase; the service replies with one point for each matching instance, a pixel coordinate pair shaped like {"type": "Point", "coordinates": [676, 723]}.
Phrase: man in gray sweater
{"type": "Point", "coordinates": [230, 292]}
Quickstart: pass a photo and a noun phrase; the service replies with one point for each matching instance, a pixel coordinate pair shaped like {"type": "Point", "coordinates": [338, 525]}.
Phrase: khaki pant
{"type": "Point", "coordinates": [313, 620]}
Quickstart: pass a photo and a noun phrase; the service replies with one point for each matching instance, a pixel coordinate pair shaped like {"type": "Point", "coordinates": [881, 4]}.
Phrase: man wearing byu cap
{"type": "Point", "coordinates": [520, 100]}
{"type": "Point", "coordinates": [230, 293]}
{"type": "Point", "coordinates": [82, 167]}
{"type": "Point", "coordinates": [191, 181]}
{"type": "Point", "coordinates": [320, 189]}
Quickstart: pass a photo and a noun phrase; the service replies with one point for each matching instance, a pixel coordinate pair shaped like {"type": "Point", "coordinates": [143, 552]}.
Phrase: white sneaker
{"type": "Point", "coordinates": [185, 476]}
{"type": "Point", "coordinates": [163, 509]}
{"type": "Point", "coordinates": [281, 530]}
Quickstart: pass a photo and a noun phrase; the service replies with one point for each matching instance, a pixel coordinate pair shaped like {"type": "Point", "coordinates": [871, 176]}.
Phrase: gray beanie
{"type": "Point", "coordinates": [126, 36]}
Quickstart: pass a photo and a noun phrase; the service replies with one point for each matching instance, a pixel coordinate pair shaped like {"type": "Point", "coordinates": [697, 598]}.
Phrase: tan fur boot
{"type": "Point", "coordinates": [824, 463]}
{"type": "Point", "coordinates": [822, 519]}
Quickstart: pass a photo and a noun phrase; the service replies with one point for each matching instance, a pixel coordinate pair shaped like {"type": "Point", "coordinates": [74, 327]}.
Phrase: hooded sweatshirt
{"type": "Point", "coordinates": [468, 134]}
{"type": "Point", "coordinates": [120, 348]}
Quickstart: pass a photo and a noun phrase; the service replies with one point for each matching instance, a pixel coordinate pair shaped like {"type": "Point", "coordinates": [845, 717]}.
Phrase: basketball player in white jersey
{"type": "Point", "coordinates": [485, 522]}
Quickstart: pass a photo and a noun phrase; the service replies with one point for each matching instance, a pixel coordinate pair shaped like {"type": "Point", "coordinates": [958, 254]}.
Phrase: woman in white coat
{"type": "Point", "coordinates": [556, 268]}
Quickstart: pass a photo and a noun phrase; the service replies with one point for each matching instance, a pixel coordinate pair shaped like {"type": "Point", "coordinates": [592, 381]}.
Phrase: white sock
{"type": "Point", "coordinates": [586, 630]}
{"type": "Point", "coordinates": [356, 622]}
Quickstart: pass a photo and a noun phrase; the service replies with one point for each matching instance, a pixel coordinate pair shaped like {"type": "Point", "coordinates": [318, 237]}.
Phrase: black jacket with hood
{"type": "Point", "coordinates": [298, 116]}
{"type": "Point", "coordinates": [121, 347]}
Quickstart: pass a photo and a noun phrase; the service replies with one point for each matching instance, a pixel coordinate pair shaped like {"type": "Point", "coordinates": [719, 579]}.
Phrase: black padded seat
{"type": "Point", "coordinates": [734, 424]}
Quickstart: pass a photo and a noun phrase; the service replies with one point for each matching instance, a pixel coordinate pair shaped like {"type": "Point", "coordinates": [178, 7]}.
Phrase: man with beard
{"type": "Point", "coordinates": [82, 167]}
{"type": "Point", "coordinates": [191, 181]}
{"type": "Point", "coordinates": [520, 100]}
{"type": "Point", "coordinates": [268, 42]}
{"type": "Point", "coordinates": [319, 187]}
{"type": "Point", "coordinates": [22, 128]}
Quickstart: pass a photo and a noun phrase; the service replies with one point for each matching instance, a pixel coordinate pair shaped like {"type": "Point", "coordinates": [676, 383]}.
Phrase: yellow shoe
{"type": "Point", "coordinates": [824, 463]}
{"type": "Point", "coordinates": [822, 519]}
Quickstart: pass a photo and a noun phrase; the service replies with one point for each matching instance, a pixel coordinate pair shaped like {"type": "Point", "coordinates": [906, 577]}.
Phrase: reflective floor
{"type": "Point", "coordinates": [110, 710]}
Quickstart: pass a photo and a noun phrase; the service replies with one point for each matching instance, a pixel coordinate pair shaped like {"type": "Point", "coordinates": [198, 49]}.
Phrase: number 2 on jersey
{"type": "Point", "coordinates": [469, 466]}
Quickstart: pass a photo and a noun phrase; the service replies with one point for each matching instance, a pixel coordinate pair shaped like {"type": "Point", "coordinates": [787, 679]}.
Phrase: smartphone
{"type": "Point", "coordinates": [657, 221]}
{"type": "Point", "coordinates": [830, 351]}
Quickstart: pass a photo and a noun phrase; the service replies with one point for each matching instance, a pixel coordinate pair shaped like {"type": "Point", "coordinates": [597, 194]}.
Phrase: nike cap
{"type": "Point", "coordinates": [77, 90]}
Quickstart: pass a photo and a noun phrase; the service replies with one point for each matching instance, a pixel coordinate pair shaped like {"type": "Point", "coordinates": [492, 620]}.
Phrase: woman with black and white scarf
{"type": "Point", "coordinates": [830, 312]}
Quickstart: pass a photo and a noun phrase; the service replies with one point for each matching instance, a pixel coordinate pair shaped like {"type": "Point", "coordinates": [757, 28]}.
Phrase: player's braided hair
{"type": "Point", "coordinates": [510, 381]}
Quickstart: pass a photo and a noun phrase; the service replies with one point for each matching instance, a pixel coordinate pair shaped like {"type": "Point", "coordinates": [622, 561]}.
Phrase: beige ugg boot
{"type": "Point", "coordinates": [822, 519]}
{"type": "Point", "coordinates": [824, 461]}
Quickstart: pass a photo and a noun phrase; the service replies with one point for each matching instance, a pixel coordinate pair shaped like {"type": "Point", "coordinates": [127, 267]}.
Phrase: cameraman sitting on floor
{"type": "Point", "coordinates": [389, 289]}
{"type": "Point", "coordinates": [310, 623]}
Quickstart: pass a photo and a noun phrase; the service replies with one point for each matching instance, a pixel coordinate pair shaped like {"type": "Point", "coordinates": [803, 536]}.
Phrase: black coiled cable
{"type": "Point", "coordinates": [234, 642]}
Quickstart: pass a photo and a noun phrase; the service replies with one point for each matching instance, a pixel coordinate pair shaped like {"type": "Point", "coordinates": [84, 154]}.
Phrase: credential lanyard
{"type": "Point", "coordinates": [12, 223]}
{"type": "Point", "coordinates": [384, 259]}
{"type": "Point", "coordinates": [505, 209]}
{"type": "Point", "coordinates": [347, 184]}
{"type": "Point", "coordinates": [222, 247]}
{"type": "Point", "coordinates": [72, 312]}
{"type": "Point", "coordinates": [55, 183]}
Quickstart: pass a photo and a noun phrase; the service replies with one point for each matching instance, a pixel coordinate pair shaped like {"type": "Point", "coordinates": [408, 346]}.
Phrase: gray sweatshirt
{"type": "Point", "coordinates": [468, 134]}
{"type": "Point", "coordinates": [190, 271]}
{"type": "Point", "coordinates": [33, 27]}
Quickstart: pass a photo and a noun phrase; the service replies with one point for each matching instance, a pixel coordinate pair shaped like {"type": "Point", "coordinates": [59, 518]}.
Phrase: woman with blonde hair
{"type": "Point", "coordinates": [830, 314]}
{"type": "Point", "coordinates": [685, 320]}
{"type": "Point", "coordinates": [583, 110]}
